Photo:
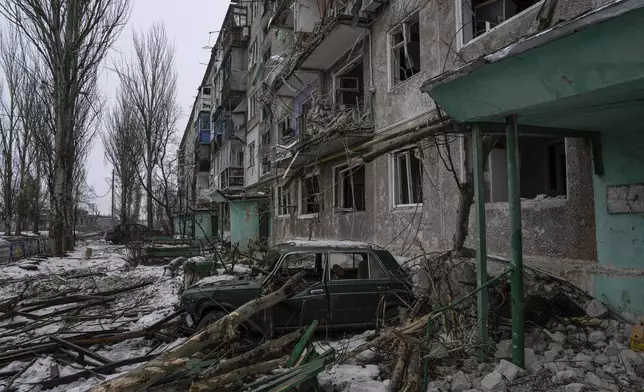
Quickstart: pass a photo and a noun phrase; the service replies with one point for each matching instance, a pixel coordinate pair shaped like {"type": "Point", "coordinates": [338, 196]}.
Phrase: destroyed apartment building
{"type": "Point", "coordinates": [362, 120]}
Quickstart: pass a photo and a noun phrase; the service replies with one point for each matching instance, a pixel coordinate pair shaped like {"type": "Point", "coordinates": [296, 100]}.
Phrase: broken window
{"type": "Point", "coordinates": [267, 55]}
{"type": "Point", "coordinates": [349, 86]}
{"type": "Point", "coordinates": [354, 265]}
{"type": "Point", "coordinates": [284, 130]}
{"type": "Point", "coordinates": [251, 154]}
{"type": "Point", "coordinates": [252, 55]}
{"type": "Point", "coordinates": [285, 201]}
{"type": "Point", "coordinates": [264, 113]}
{"type": "Point", "coordinates": [349, 188]}
{"type": "Point", "coordinates": [311, 263]}
{"type": "Point", "coordinates": [311, 194]}
{"type": "Point", "coordinates": [252, 106]}
{"type": "Point", "coordinates": [480, 16]}
{"type": "Point", "coordinates": [404, 42]}
{"type": "Point", "coordinates": [266, 165]}
{"type": "Point", "coordinates": [542, 169]}
{"type": "Point", "coordinates": [266, 139]}
{"type": "Point", "coordinates": [408, 178]}
{"type": "Point", "coordinates": [206, 91]}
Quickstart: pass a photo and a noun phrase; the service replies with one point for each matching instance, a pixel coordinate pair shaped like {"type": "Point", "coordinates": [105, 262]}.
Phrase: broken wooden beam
{"type": "Point", "coordinates": [80, 350]}
{"type": "Point", "coordinates": [54, 382]}
{"type": "Point", "coordinates": [223, 329]}
{"type": "Point", "coordinates": [216, 383]}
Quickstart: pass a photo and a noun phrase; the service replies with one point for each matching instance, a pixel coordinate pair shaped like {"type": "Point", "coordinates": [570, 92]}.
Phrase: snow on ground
{"type": "Point", "coordinates": [131, 310]}
{"type": "Point", "coordinates": [356, 375]}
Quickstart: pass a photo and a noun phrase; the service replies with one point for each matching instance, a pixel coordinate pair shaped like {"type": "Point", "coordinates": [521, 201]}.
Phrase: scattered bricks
{"type": "Point", "coordinates": [554, 367]}
{"type": "Point", "coordinates": [503, 350]}
{"type": "Point", "coordinates": [460, 382]}
{"type": "Point", "coordinates": [596, 309]}
{"type": "Point", "coordinates": [597, 336]}
{"type": "Point", "coordinates": [565, 375]}
{"type": "Point", "coordinates": [574, 387]}
{"type": "Point", "coordinates": [508, 370]}
{"type": "Point", "coordinates": [493, 382]}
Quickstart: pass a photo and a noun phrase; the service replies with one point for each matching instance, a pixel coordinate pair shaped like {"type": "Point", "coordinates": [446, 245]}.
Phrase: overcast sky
{"type": "Point", "coordinates": [187, 23]}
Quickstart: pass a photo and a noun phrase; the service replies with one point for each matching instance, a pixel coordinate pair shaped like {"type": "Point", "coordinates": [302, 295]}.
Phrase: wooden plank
{"type": "Point", "coordinates": [54, 382]}
{"type": "Point", "coordinates": [302, 344]}
{"type": "Point", "coordinates": [80, 350]}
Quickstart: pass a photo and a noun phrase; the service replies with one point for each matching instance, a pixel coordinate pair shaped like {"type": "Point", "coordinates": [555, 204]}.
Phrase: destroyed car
{"type": "Point", "coordinates": [344, 287]}
{"type": "Point", "coordinates": [125, 233]}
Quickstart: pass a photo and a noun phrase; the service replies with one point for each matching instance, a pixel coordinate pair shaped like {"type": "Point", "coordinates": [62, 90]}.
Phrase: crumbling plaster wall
{"type": "Point", "coordinates": [552, 228]}
{"type": "Point", "coordinates": [328, 224]}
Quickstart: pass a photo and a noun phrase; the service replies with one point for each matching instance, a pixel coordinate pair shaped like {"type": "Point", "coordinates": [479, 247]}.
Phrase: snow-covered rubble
{"type": "Point", "coordinates": [132, 310]}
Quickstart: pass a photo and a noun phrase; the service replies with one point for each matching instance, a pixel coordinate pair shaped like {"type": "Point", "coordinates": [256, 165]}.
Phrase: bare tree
{"type": "Point", "coordinates": [72, 38]}
{"type": "Point", "coordinates": [149, 85]}
{"type": "Point", "coordinates": [10, 47]}
{"type": "Point", "coordinates": [122, 147]}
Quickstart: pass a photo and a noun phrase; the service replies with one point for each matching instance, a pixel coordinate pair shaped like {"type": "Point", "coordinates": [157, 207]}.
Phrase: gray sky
{"type": "Point", "coordinates": [187, 23]}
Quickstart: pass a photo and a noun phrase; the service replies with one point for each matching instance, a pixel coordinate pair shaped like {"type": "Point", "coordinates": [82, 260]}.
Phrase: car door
{"type": "Point", "coordinates": [310, 302]}
{"type": "Point", "coordinates": [358, 286]}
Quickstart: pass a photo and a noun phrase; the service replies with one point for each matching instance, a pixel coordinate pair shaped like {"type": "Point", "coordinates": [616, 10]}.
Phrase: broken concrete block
{"type": "Point", "coordinates": [508, 370]}
{"type": "Point", "coordinates": [602, 359]}
{"type": "Point", "coordinates": [556, 347]}
{"type": "Point", "coordinates": [536, 366]}
{"type": "Point", "coordinates": [559, 337]}
{"type": "Point", "coordinates": [595, 380]}
{"type": "Point", "coordinates": [438, 386]}
{"type": "Point", "coordinates": [460, 382]}
{"type": "Point", "coordinates": [503, 349]}
{"type": "Point", "coordinates": [574, 387]}
{"type": "Point", "coordinates": [596, 309]}
{"type": "Point", "coordinates": [565, 375]}
{"type": "Point", "coordinates": [529, 356]}
{"type": "Point", "coordinates": [550, 355]}
{"type": "Point", "coordinates": [493, 382]}
{"type": "Point", "coordinates": [597, 336]}
{"type": "Point", "coordinates": [632, 357]}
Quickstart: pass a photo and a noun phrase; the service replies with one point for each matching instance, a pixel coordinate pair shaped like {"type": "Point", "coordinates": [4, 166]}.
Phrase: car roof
{"type": "Point", "coordinates": [323, 246]}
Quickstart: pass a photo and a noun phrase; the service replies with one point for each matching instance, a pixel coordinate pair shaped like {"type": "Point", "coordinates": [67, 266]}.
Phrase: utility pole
{"type": "Point", "coordinates": [112, 197]}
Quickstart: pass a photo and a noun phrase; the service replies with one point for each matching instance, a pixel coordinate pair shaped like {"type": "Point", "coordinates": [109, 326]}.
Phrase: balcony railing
{"type": "Point", "coordinates": [232, 177]}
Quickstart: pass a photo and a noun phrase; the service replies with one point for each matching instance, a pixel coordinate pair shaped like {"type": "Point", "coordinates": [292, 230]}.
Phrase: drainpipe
{"type": "Point", "coordinates": [516, 241]}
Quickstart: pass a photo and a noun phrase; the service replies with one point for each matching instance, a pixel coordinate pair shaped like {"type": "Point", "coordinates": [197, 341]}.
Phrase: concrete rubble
{"type": "Point", "coordinates": [589, 352]}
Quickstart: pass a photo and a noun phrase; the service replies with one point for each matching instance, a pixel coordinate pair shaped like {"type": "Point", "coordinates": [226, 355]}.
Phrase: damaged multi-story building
{"type": "Point", "coordinates": [357, 117]}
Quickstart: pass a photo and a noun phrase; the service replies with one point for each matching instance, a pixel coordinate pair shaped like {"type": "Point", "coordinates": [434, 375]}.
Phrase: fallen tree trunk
{"type": "Point", "coordinates": [222, 329]}
{"type": "Point", "coordinates": [216, 383]}
{"type": "Point", "coordinates": [253, 356]}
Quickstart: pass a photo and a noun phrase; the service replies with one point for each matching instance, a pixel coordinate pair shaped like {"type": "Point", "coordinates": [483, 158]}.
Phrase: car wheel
{"type": "Point", "coordinates": [210, 318]}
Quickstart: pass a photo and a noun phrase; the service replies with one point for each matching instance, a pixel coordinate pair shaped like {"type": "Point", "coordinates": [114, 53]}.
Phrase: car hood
{"type": "Point", "coordinates": [225, 288]}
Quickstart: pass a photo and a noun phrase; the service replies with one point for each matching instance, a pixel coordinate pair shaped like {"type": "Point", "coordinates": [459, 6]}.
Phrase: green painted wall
{"type": "Point", "coordinates": [245, 219]}
{"type": "Point", "coordinates": [620, 237]}
{"type": "Point", "coordinates": [202, 224]}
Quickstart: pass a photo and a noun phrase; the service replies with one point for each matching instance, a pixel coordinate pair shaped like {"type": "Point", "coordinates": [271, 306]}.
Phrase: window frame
{"type": "Point", "coordinates": [252, 54]}
{"type": "Point", "coordinates": [252, 106]}
{"type": "Point", "coordinates": [251, 154]}
{"type": "Point", "coordinates": [339, 183]}
{"type": "Point", "coordinates": [460, 26]}
{"type": "Point", "coordinates": [280, 132]}
{"type": "Point", "coordinates": [301, 203]}
{"type": "Point", "coordinates": [392, 47]}
{"type": "Point", "coordinates": [283, 211]}
{"type": "Point", "coordinates": [280, 262]}
{"type": "Point", "coordinates": [393, 169]}
{"type": "Point", "coordinates": [265, 159]}
{"type": "Point", "coordinates": [370, 256]}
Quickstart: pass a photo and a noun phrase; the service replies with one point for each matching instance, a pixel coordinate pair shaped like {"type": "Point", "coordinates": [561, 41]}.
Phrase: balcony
{"type": "Point", "coordinates": [204, 158]}
{"type": "Point", "coordinates": [327, 128]}
{"type": "Point", "coordinates": [232, 178]}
